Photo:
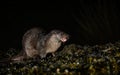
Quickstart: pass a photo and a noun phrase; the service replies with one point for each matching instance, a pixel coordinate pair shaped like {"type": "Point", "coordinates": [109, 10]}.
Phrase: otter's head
{"type": "Point", "coordinates": [60, 35]}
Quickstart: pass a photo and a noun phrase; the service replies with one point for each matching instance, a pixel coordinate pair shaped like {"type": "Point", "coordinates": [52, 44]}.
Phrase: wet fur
{"type": "Point", "coordinates": [35, 43]}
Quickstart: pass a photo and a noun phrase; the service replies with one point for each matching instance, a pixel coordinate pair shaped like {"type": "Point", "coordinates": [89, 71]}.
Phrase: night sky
{"type": "Point", "coordinates": [87, 21]}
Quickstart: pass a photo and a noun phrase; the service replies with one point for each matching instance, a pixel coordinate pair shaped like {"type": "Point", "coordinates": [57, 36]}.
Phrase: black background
{"type": "Point", "coordinates": [87, 21]}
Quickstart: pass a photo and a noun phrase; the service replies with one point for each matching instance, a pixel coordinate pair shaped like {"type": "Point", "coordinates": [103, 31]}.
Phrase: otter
{"type": "Point", "coordinates": [35, 43]}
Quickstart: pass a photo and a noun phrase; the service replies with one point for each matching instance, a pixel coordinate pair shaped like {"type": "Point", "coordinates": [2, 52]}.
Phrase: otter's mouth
{"type": "Point", "coordinates": [64, 39]}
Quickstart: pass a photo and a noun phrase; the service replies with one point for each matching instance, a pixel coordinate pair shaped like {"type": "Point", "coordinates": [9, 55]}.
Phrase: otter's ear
{"type": "Point", "coordinates": [55, 31]}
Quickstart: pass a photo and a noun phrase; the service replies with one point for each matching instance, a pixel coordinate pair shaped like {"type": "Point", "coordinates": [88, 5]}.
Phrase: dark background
{"type": "Point", "coordinates": [87, 21]}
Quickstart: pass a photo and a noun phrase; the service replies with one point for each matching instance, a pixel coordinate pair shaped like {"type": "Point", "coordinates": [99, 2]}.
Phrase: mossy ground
{"type": "Point", "coordinates": [72, 60]}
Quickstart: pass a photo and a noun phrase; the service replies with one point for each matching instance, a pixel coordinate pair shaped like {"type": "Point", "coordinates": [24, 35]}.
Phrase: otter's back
{"type": "Point", "coordinates": [30, 38]}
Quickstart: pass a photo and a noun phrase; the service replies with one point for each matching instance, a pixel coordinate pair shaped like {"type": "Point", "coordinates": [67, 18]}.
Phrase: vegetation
{"type": "Point", "coordinates": [72, 60]}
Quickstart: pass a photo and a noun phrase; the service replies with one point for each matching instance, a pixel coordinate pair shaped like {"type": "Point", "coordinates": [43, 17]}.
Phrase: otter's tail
{"type": "Point", "coordinates": [5, 61]}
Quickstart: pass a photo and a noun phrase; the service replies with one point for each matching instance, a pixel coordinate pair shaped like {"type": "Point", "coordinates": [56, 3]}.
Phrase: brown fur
{"type": "Point", "coordinates": [35, 43]}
